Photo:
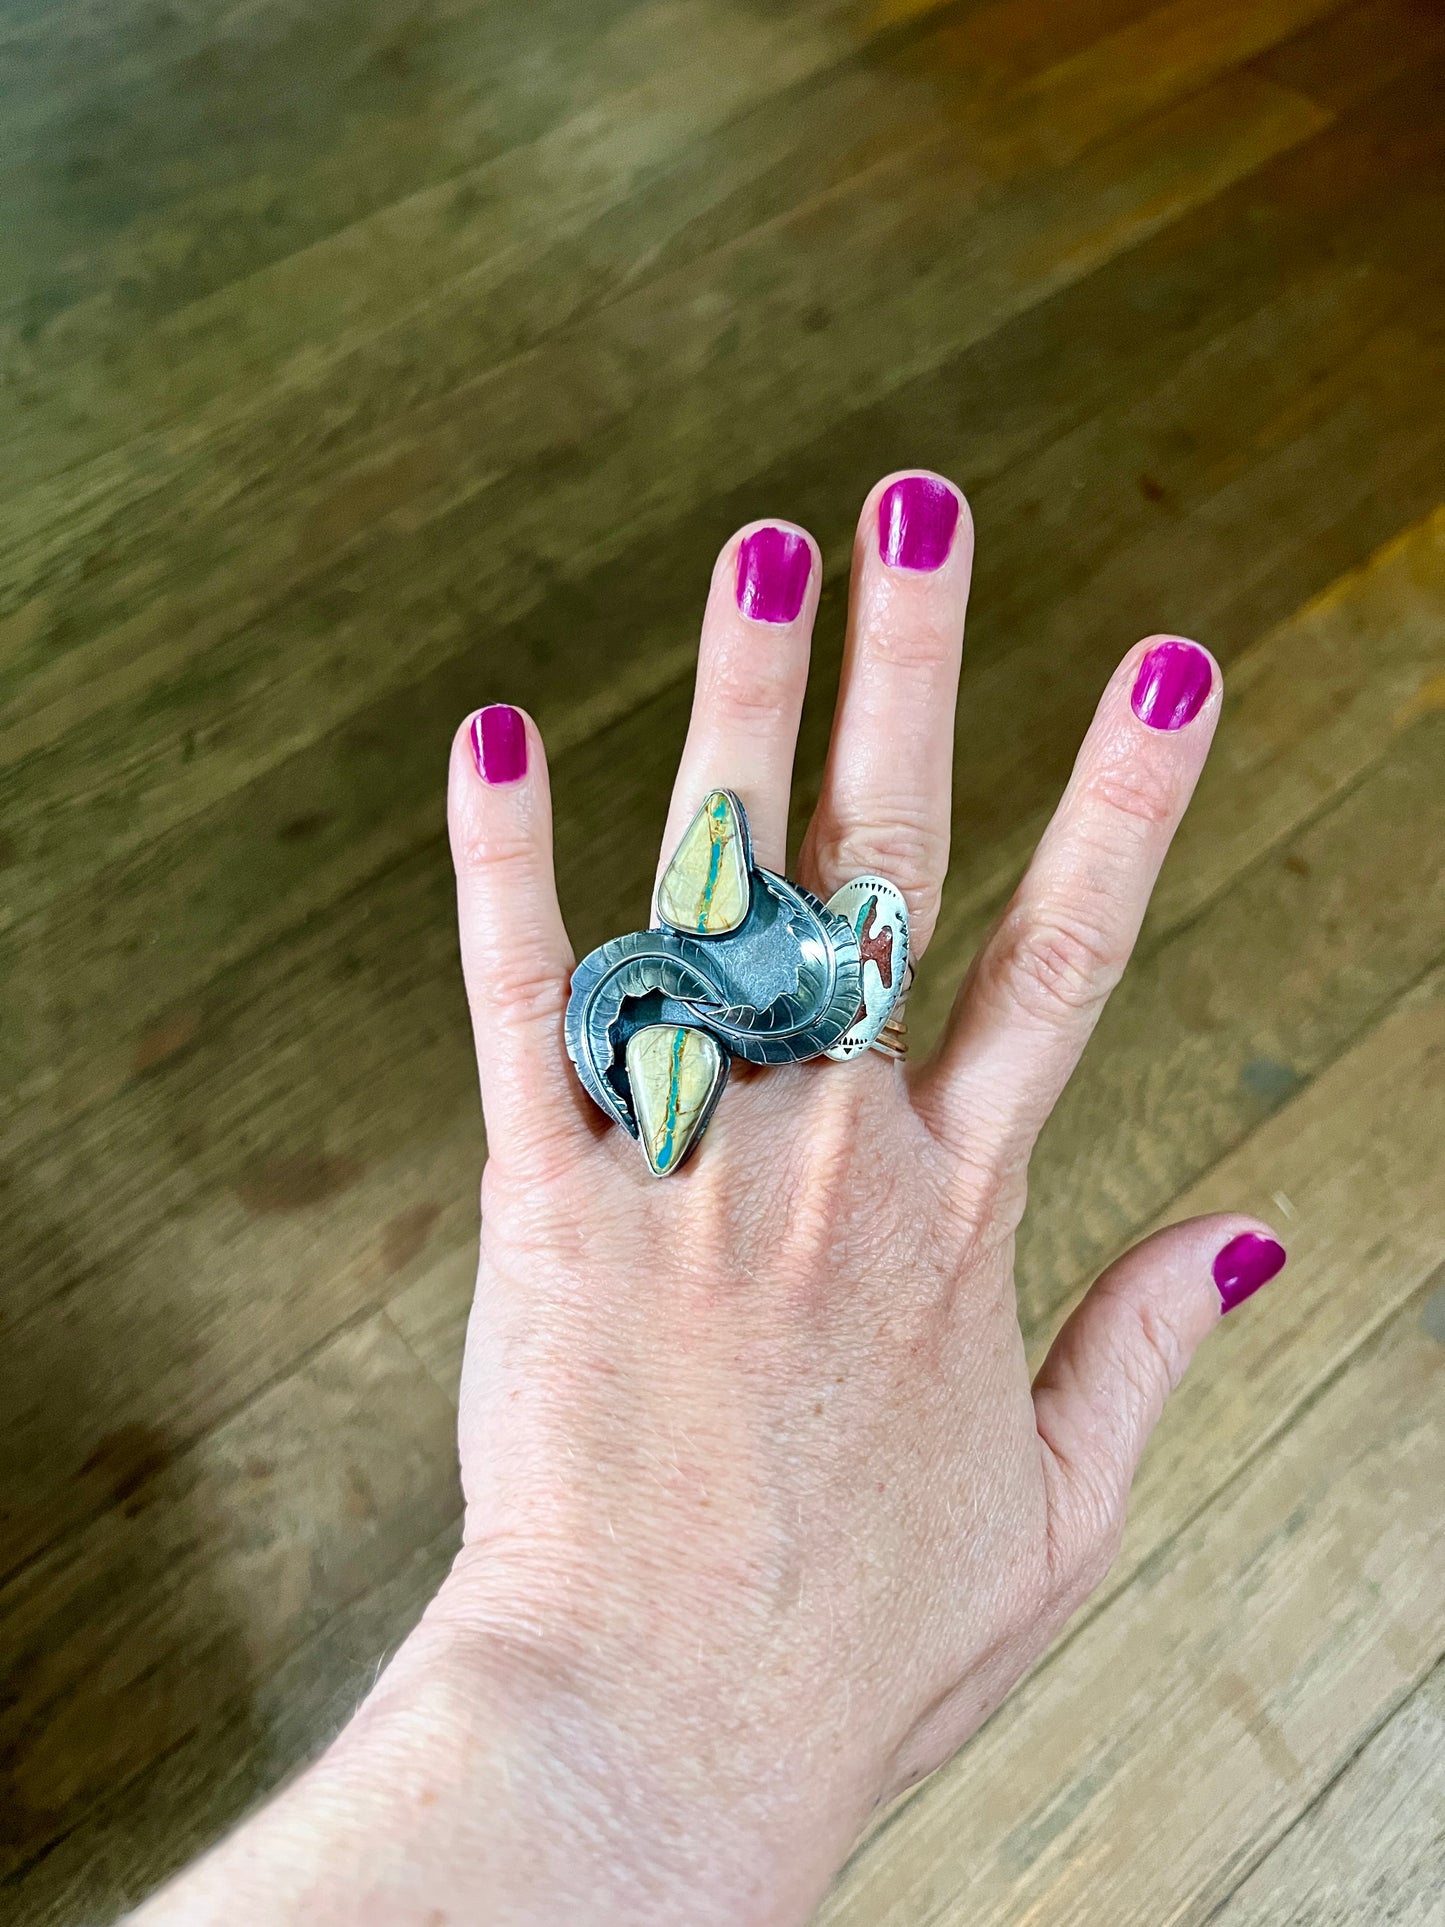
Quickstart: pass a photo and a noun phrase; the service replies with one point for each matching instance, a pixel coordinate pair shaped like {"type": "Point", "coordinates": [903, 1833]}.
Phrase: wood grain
{"type": "Point", "coordinates": [1372, 1847]}
{"type": "Point", "coordinates": [111, 1856]}
{"type": "Point", "coordinates": [210, 1567]}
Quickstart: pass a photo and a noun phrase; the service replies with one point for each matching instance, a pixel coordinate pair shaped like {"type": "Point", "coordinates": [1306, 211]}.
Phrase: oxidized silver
{"type": "Point", "coordinates": [762, 967]}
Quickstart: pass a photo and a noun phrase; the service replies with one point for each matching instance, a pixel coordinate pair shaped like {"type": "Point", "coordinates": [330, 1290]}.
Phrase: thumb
{"type": "Point", "coordinates": [1103, 1385]}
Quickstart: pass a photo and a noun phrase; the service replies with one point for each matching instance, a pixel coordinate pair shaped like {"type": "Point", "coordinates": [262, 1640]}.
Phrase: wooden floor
{"type": "Point", "coordinates": [363, 362]}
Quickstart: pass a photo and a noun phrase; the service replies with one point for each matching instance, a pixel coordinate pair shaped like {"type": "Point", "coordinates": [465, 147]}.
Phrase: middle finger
{"type": "Point", "coordinates": [885, 802]}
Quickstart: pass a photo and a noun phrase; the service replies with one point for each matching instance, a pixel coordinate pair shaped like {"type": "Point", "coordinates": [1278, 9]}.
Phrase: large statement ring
{"type": "Point", "coordinates": [739, 963]}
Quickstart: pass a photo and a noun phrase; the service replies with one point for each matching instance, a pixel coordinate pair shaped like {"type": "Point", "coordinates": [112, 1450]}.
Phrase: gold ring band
{"type": "Point", "coordinates": [892, 1040]}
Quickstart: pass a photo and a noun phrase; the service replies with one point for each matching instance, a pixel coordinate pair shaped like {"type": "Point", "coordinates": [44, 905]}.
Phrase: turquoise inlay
{"type": "Point", "coordinates": [717, 815]}
{"type": "Point", "coordinates": [674, 1098]}
{"type": "Point", "coordinates": [858, 926]}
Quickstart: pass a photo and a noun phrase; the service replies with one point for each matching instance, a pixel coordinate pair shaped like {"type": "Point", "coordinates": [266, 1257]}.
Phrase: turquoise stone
{"type": "Point", "coordinates": [675, 1074]}
{"type": "Point", "coordinates": [705, 889]}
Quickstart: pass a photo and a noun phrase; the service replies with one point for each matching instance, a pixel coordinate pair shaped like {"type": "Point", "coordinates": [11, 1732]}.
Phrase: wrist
{"type": "Point", "coordinates": [653, 1799]}
{"type": "Point", "coordinates": [515, 1763]}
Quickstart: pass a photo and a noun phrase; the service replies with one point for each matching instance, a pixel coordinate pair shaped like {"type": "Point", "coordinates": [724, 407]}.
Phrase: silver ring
{"type": "Point", "coordinates": [739, 962]}
{"type": "Point", "coordinates": [892, 1038]}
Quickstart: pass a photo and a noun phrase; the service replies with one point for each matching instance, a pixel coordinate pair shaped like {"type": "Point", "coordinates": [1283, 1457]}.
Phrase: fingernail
{"type": "Point", "coordinates": [1246, 1263]}
{"type": "Point", "coordinates": [1173, 684]}
{"type": "Point", "coordinates": [499, 743]}
{"type": "Point", "coordinates": [916, 520]}
{"type": "Point", "coordinates": [773, 570]}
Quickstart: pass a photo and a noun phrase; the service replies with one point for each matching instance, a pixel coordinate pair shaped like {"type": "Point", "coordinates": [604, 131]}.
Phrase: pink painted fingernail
{"type": "Point", "coordinates": [773, 570]}
{"type": "Point", "coordinates": [1246, 1263]}
{"type": "Point", "coordinates": [1173, 684]}
{"type": "Point", "coordinates": [916, 520]}
{"type": "Point", "coordinates": [499, 743]}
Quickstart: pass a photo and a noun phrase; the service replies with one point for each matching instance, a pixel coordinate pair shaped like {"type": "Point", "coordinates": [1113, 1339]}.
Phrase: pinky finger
{"type": "Point", "coordinates": [516, 959]}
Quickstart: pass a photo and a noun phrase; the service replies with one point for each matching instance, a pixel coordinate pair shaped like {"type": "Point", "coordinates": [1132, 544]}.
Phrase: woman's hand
{"type": "Point", "coordinates": [763, 1513]}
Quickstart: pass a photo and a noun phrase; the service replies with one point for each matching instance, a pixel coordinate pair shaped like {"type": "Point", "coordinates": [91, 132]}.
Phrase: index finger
{"type": "Point", "coordinates": [1036, 990]}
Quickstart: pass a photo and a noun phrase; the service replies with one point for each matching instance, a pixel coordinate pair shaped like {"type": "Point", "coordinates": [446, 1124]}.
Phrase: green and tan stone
{"type": "Point", "coordinates": [705, 889]}
{"type": "Point", "coordinates": [675, 1072]}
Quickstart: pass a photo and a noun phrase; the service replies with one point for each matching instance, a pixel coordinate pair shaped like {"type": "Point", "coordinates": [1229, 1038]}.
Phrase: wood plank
{"type": "Point", "coordinates": [213, 1564]}
{"type": "Point", "coordinates": [1308, 708]}
{"type": "Point", "coordinates": [283, 625]}
{"type": "Point", "coordinates": [1353, 1188]}
{"type": "Point", "coordinates": [353, 120]}
{"type": "Point", "coordinates": [195, 480]}
{"type": "Point", "coordinates": [1164, 54]}
{"type": "Point", "coordinates": [1373, 1847]}
{"type": "Point", "coordinates": [460, 130]}
{"type": "Point", "coordinates": [669, 74]}
{"type": "Point", "coordinates": [113, 1855]}
{"type": "Point", "coordinates": [1230, 1684]}
{"type": "Point", "coordinates": [1352, 49]}
{"type": "Point", "coordinates": [239, 1276]}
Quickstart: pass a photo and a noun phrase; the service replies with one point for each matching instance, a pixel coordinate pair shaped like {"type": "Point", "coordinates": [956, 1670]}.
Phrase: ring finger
{"type": "Point", "coordinates": [752, 669]}
{"type": "Point", "coordinates": [885, 800]}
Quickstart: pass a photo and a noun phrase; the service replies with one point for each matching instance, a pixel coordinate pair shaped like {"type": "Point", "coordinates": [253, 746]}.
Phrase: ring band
{"type": "Point", "coordinates": [892, 1043]}
{"type": "Point", "coordinates": [739, 962]}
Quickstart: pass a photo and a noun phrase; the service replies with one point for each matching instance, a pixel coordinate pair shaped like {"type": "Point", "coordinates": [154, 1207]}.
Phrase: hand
{"type": "Point", "coordinates": [763, 1514]}
{"type": "Point", "coordinates": [751, 1456]}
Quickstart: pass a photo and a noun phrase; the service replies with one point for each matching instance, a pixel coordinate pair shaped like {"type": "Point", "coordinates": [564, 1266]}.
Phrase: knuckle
{"type": "Point", "coordinates": [1156, 1360]}
{"type": "Point", "coordinates": [908, 851]}
{"type": "Point", "coordinates": [525, 997]}
{"type": "Point", "coordinates": [920, 644]}
{"type": "Point", "coordinates": [745, 696]}
{"type": "Point", "coordinates": [1139, 796]}
{"type": "Point", "coordinates": [1052, 964]}
{"type": "Point", "coordinates": [481, 849]}
{"type": "Point", "coordinates": [984, 1199]}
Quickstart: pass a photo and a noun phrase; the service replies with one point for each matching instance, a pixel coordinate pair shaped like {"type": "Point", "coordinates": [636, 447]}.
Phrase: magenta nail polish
{"type": "Point", "coordinates": [917, 517]}
{"type": "Point", "coordinates": [773, 569]}
{"type": "Point", "coordinates": [499, 743]}
{"type": "Point", "coordinates": [1246, 1263]}
{"type": "Point", "coordinates": [1173, 684]}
